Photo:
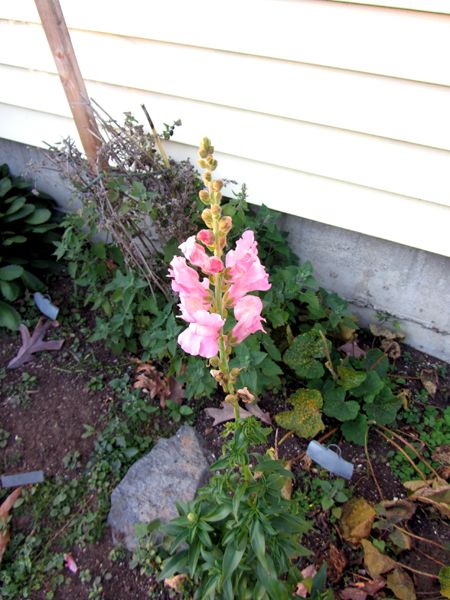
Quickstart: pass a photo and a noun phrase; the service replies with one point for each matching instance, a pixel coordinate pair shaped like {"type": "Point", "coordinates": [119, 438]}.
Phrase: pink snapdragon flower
{"type": "Point", "coordinates": [197, 256]}
{"type": "Point", "coordinates": [206, 236]}
{"type": "Point", "coordinates": [247, 311]}
{"type": "Point", "coordinates": [186, 279]}
{"type": "Point", "coordinates": [201, 338]}
{"type": "Point", "coordinates": [246, 271]}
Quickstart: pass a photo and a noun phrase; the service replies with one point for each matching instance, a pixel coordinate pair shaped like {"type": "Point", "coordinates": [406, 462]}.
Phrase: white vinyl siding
{"type": "Point", "coordinates": [336, 112]}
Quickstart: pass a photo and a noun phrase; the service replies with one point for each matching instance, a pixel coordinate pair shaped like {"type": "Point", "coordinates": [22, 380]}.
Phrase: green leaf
{"type": "Point", "coordinates": [334, 404]}
{"type": "Point", "coordinates": [5, 186]}
{"type": "Point", "coordinates": [40, 215]}
{"type": "Point", "coordinates": [11, 272]}
{"type": "Point", "coordinates": [355, 431]}
{"type": "Point", "coordinates": [384, 408]}
{"type": "Point", "coordinates": [444, 580]}
{"type": "Point", "coordinates": [376, 360]}
{"type": "Point", "coordinates": [349, 378]}
{"type": "Point", "coordinates": [305, 418]}
{"type": "Point", "coordinates": [10, 289]}
{"type": "Point", "coordinates": [372, 385]}
{"type": "Point", "coordinates": [270, 348]}
{"type": "Point", "coordinates": [32, 282]}
{"type": "Point", "coordinates": [16, 205]}
{"type": "Point", "coordinates": [302, 354]}
{"type": "Point", "coordinates": [20, 214]}
{"type": "Point", "coordinates": [258, 541]}
{"type": "Point", "coordinates": [175, 564]}
{"type": "Point", "coordinates": [15, 239]}
{"type": "Point", "coordinates": [9, 317]}
{"type": "Point", "coordinates": [231, 559]}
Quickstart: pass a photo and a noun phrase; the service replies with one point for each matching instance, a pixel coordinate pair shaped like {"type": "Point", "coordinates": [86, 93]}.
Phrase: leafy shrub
{"type": "Point", "coordinates": [28, 230]}
{"type": "Point", "coordinates": [222, 536]}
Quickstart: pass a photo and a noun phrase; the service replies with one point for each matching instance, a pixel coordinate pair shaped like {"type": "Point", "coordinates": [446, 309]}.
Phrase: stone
{"type": "Point", "coordinates": [171, 472]}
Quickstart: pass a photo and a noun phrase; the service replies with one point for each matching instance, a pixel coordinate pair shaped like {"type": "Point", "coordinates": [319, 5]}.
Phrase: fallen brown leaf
{"type": "Point", "coordinates": [351, 348]}
{"type": "Point", "coordinates": [391, 348]}
{"type": "Point", "coordinates": [375, 562]}
{"type": "Point", "coordinates": [384, 332]}
{"type": "Point", "coordinates": [356, 520]}
{"type": "Point", "coordinates": [398, 510]}
{"type": "Point", "coordinates": [401, 584]}
{"type": "Point", "coordinates": [438, 496]}
{"type": "Point", "coordinates": [175, 582]}
{"type": "Point", "coordinates": [336, 564]}
{"type": "Point", "coordinates": [352, 593]}
{"type": "Point", "coordinates": [401, 540]}
{"type": "Point", "coordinates": [226, 413]}
{"type": "Point", "coordinates": [286, 490]}
{"type": "Point", "coordinates": [429, 380]}
{"type": "Point", "coordinates": [156, 384]}
{"type": "Point", "coordinates": [4, 513]}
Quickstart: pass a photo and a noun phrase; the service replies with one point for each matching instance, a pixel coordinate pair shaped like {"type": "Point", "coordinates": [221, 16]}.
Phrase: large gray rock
{"type": "Point", "coordinates": [171, 472]}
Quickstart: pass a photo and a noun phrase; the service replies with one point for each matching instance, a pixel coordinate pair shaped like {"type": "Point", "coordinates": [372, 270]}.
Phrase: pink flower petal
{"type": "Point", "coordinates": [70, 563]}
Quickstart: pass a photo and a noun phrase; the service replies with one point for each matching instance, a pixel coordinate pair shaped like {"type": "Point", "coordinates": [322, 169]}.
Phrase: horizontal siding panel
{"type": "Point", "coordinates": [388, 216]}
{"type": "Point", "coordinates": [369, 161]}
{"type": "Point", "coordinates": [435, 6]}
{"type": "Point", "coordinates": [381, 106]}
{"type": "Point", "coordinates": [398, 43]}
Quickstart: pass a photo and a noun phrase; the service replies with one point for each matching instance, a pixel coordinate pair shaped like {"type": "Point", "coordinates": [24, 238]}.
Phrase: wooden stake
{"type": "Point", "coordinates": [58, 37]}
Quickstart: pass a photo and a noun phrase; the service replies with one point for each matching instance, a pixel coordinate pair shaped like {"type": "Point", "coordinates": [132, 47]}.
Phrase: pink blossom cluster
{"type": "Point", "coordinates": [243, 273]}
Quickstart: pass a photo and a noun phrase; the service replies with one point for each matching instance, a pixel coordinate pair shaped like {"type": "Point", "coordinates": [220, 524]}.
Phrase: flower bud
{"type": "Point", "coordinates": [203, 153]}
{"type": "Point", "coordinates": [215, 210]}
{"type": "Point", "coordinates": [214, 361]}
{"type": "Point", "coordinates": [206, 236]}
{"type": "Point", "coordinates": [205, 144]}
{"type": "Point", "coordinates": [225, 224]}
{"type": "Point", "coordinates": [235, 372]}
{"type": "Point", "coordinates": [191, 517]}
{"type": "Point", "coordinates": [206, 177]}
{"type": "Point", "coordinates": [204, 196]}
{"type": "Point", "coordinates": [217, 185]}
{"type": "Point", "coordinates": [203, 164]}
{"type": "Point", "coordinates": [230, 398]}
{"type": "Point", "coordinates": [207, 217]}
{"type": "Point", "coordinates": [217, 197]}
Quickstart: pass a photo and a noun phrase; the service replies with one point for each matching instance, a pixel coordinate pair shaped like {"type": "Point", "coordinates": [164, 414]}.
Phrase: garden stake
{"type": "Point", "coordinates": [400, 449]}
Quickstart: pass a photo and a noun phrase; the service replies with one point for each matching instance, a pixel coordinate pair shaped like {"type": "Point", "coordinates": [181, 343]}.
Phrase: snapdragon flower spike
{"type": "Point", "coordinates": [244, 268]}
{"type": "Point", "coordinates": [247, 311]}
{"type": "Point", "coordinates": [197, 256]}
{"type": "Point", "coordinates": [201, 338]}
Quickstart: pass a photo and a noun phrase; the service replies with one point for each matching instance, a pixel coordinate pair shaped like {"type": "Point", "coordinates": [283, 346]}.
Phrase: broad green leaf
{"type": "Point", "coordinates": [384, 407]}
{"type": "Point", "coordinates": [231, 559]}
{"type": "Point", "coordinates": [25, 211]}
{"type": "Point", "coordinates": [305, 418]}
{"type": "Point", "coordinates": [350, 378]}
{"type": "Point", "coordinates": [15, 239]}
{"type": "Point", "coordinates": [32, 282]}
{"type": "Point", "coordinates": [376, 360]}
{"type": "Point", "coordinates": [372, 385]}
{"type": "Point", "coordinates": [39, 216]}
{"type": "Point", "coordinates": [355, 431]}
{"type": "Point", "coordinates": [303, 353]}
{"type": "Point", "coordinates": [334, 404]}
{"type": "Point", "coordinates": [11, 272]}
{"type": "Point", "coordinates": [5, 186]}
{"type": "Point", "coordinates": [9, 317]}
{"type": "Point", "coordinates": [10, 289]}
{"type": "Point", "coordinates": [16, 205]}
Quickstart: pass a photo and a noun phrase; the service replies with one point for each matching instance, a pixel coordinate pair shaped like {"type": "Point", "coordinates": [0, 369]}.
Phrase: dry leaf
{"type": "Point", "coordinates": [351, 348]}
{"type": "Point", "coordinates": [245, 395]}
{"type": "Point", "coordinates": [375, 562]}
{"type": "Point", "coordinates": [336, 564]}
{"type": "Point", "coordinates": [303, 589]}
{"type": "Point", "coordinates": [356, 520]}
{"type": "Point", "coordinates": [286, 490]}
{"type": "Point", "coordinates": [401, 584]}
{"type": "Point", "coordinates": [438, 496]}
{"type": "Point", "coordinates": [352, 593]}
{"type": "Point", "coordinates": [372, 587]}
{"type": "Point", "coordinates": [156, 384]}
{"type": "Point", "coordinates": [405, 396]}
{"type": "Point", "coordinates": [441, 454]}
{"type": "Point", "coordinates": [391, 348]}
{"type": "Point", "coordinates": [175, 582]}
{"type": "Point", "coordinates": [384, 332]}
{"type": "Point", "coordinates": [4, 512]}
{"type": "Point", "coordinates": [398, 510]}
{"type": "Point", "coordinates": [429, 381]}
{"type": "Point", "coordinates": [226, 413]}
{"type": "Point", "coordinates": [363, 587]}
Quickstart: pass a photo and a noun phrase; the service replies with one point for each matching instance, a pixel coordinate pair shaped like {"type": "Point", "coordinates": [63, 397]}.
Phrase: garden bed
{"type": "Point", "coordinates": [74, 414]}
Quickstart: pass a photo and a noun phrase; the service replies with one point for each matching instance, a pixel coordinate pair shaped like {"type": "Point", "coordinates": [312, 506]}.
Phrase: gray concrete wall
{"type": "Point", "coordinates": [411, 285]}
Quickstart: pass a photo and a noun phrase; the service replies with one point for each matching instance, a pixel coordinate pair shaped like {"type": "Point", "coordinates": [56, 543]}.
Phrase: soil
{"type": "Point", "coordinates": [46, 419]}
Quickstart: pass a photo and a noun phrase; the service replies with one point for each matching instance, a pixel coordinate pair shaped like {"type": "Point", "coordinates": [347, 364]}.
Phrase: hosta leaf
{"type": "Point", "coordinates": [302, 354]}
{"type": "Point", "coordinates": [401, 584]}
{"type": "Point", "coordinates": [39, 216]}
{"type": "Point", "coordinates": [32, 282]}
{"type": "Point", "coordinates": [305, 418]}
{"type": "Point", "coordinates": [356, 520]}
{"type": "Point", "coordinates": [384, 407]}
{"type": "Point", "coordinates": [10, 290]}
{"type": "Point", "coordinates": [334, 404]}
{"type": "Point", "coordinates": [350, 378]}
{"type": "Point", "coordinates": [9, 317]}
{"type": "Point", "coordinates": [10, 272]}
{"type": "Point", "coordinates": [355, 431]}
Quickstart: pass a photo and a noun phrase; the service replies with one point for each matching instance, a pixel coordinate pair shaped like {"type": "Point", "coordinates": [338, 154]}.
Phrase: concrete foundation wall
{"type": "Point", "coordinates": [413, 286]}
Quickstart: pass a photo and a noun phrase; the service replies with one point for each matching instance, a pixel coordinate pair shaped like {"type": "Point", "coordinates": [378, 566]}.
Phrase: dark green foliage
{"type": "Point", "coordinates": [237, 538]}
{"type": "Point", "coordinates": [28, 230]}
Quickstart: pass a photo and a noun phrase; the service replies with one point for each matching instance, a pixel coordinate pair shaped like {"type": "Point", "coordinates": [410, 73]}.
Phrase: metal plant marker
{"type": "Point", "coordinates": [35, 342]}
{"type": "Point", "coordinates": [18, 479]}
